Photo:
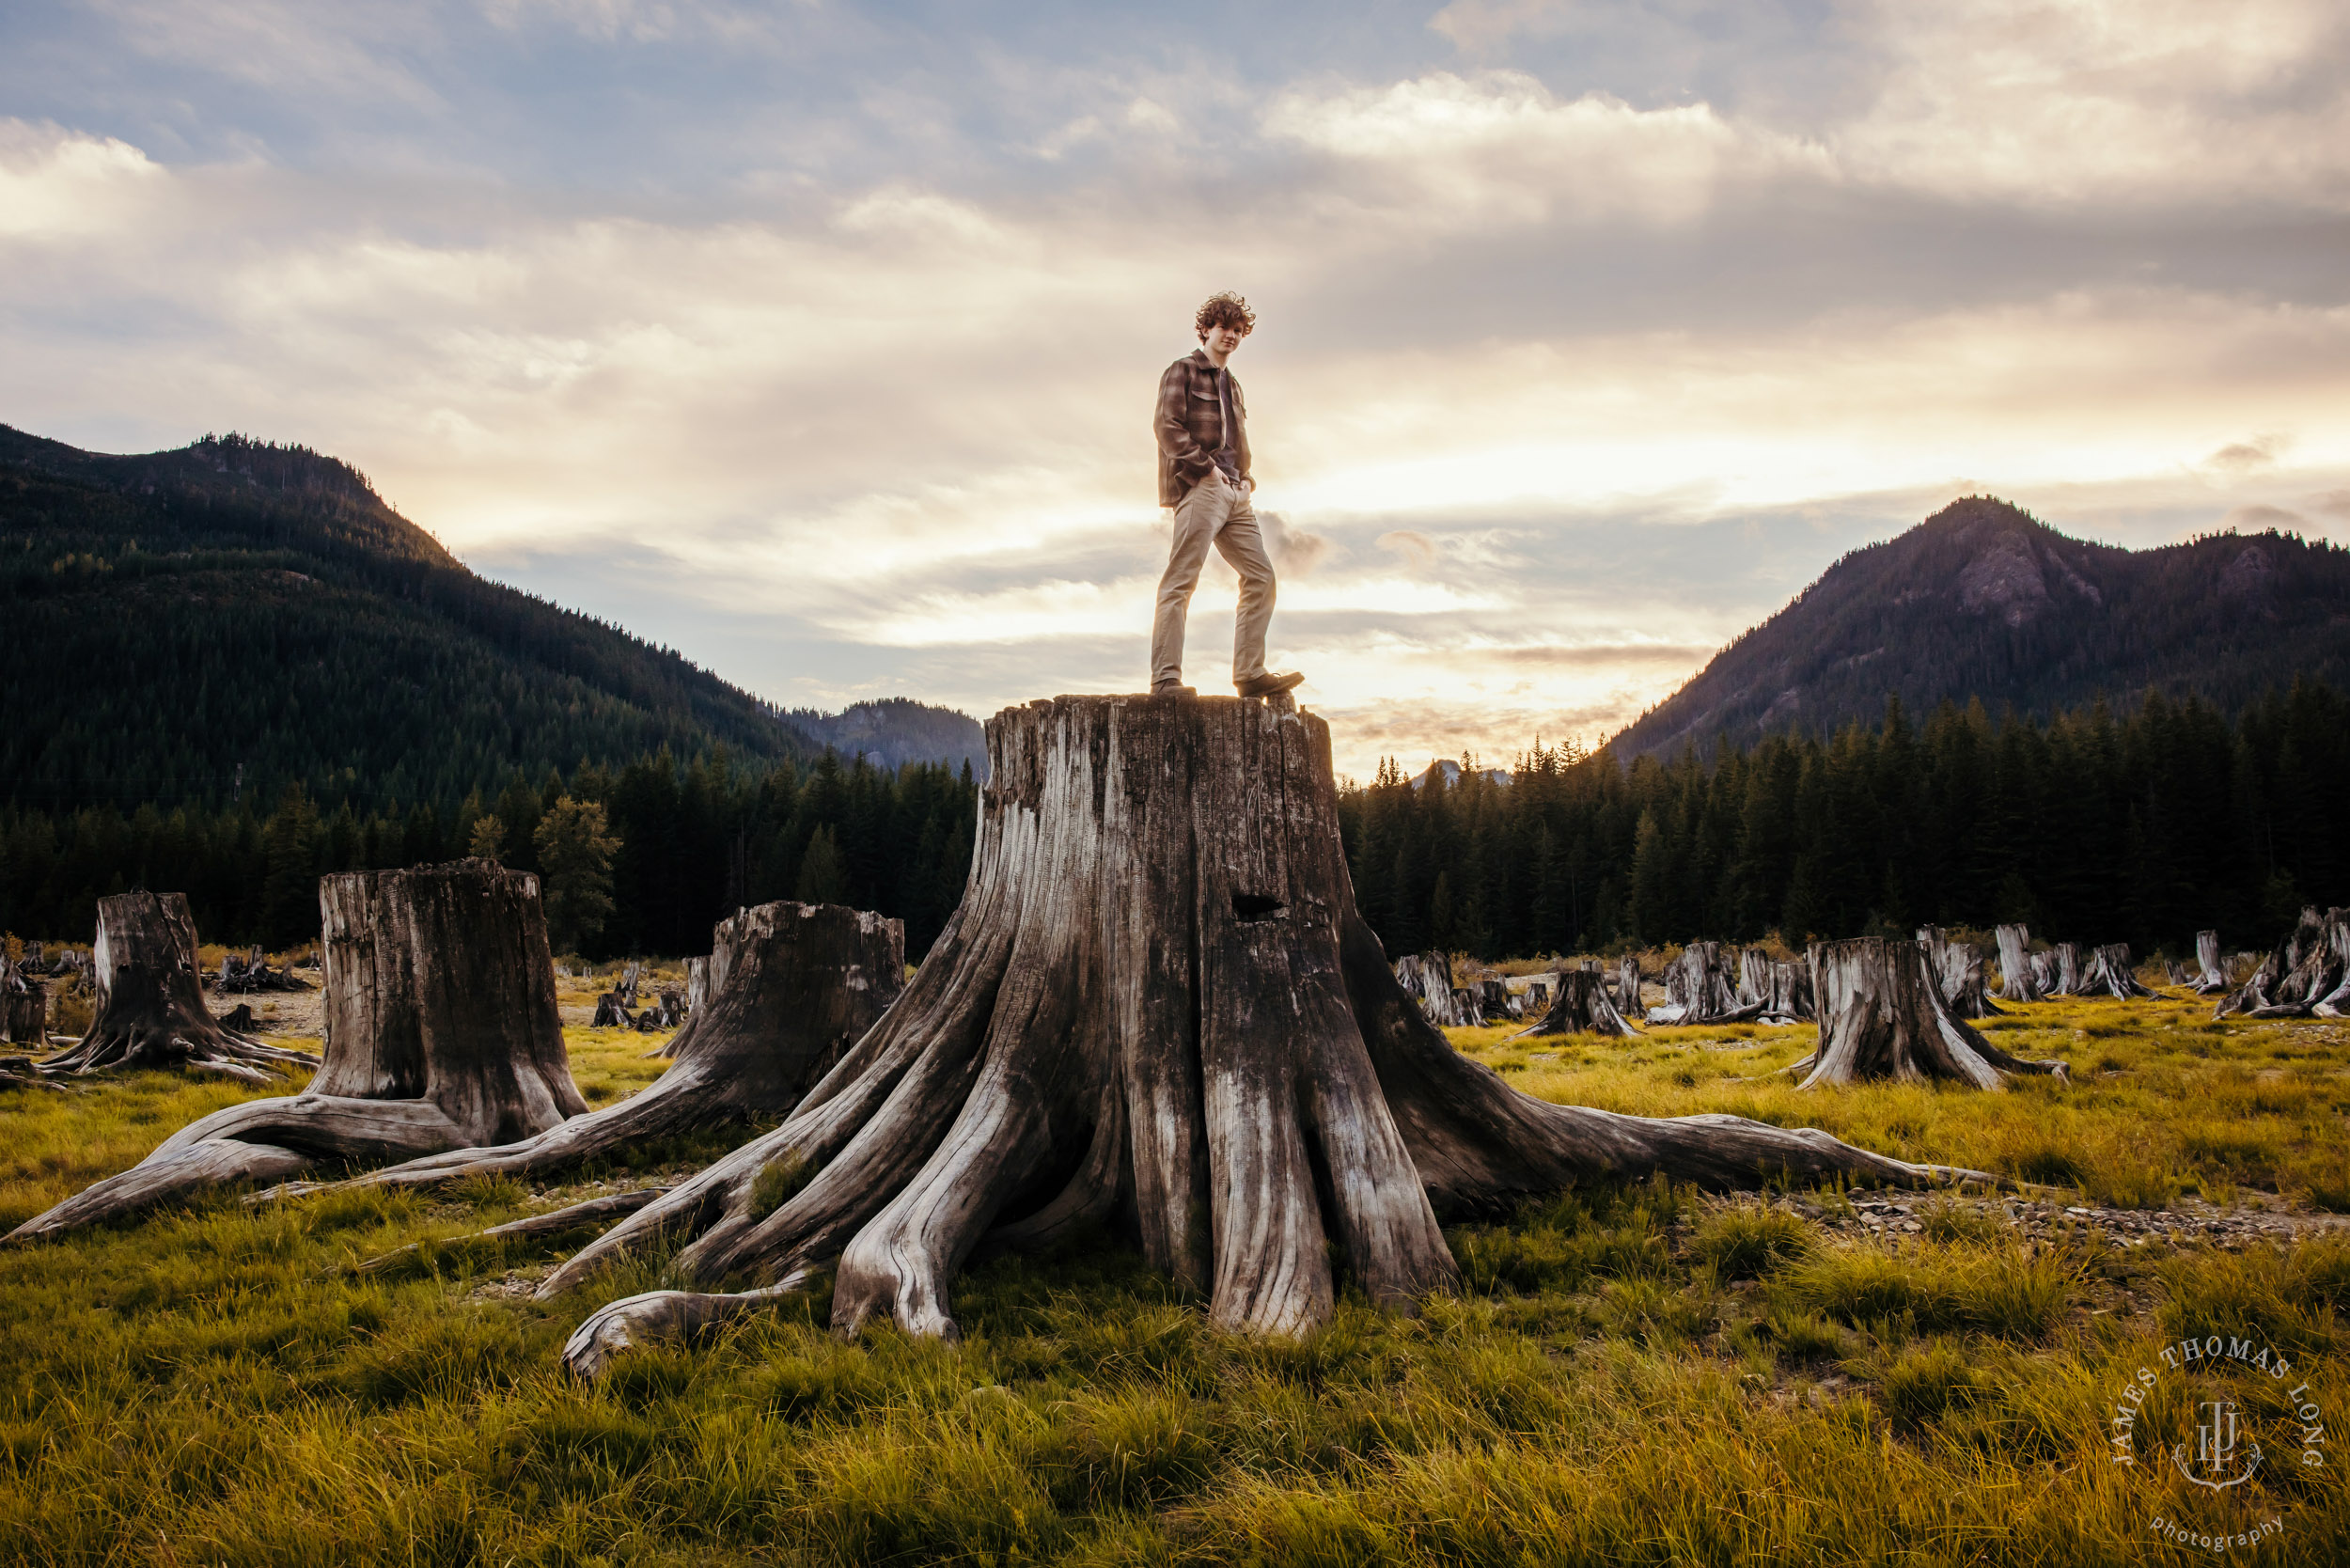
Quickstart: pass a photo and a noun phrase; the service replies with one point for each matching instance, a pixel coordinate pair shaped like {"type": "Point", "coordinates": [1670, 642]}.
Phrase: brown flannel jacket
{"type": "Point", "coordinates": [1190, 424]}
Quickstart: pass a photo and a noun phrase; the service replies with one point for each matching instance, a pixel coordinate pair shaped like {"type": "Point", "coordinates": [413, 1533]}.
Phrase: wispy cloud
{"type": "Point", "coordinates": [821, 343]}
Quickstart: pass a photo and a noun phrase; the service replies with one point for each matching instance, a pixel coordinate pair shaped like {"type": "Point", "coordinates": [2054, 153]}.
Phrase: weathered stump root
{"type": "Point", "coordinates": [801, 984]}
{"type": "Point", "coordinates": [151, 1001]}
{"type": "Point", "coordinates": [441, 1032]}
{"type": "Point", "coordinates": [1155, 1005]}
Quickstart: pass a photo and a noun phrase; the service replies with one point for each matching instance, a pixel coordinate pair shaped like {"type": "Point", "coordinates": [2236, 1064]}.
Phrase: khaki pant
{"type": "Point", "coordinates": [1215, 511]}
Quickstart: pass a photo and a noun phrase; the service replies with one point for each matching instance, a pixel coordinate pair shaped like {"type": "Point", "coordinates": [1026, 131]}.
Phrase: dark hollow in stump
{"type": "Point", "coordinates": [1581, 1007]}
{"type": "Point", "coordinates": [2108, 972]}
{"type": "Point", "coordinates": [440, 1033]}
{"type": "Point", "coordinates": [2210, 978]}
{"type": "Point", "coordinates": [1957, 970]}
{"type": "Point", "coordinates": [1155, 1006]}
{"type": "Point", "coordinates": [151, 1000]}
{"type": "Point", "coordinates": [802, 983]}
{"type": "Point", "coordinates": [2309, 972]}
{"type": "Point", "coordinates": [1882, 1016]}
{"type": "Point", "coordinates": [1428, 978]}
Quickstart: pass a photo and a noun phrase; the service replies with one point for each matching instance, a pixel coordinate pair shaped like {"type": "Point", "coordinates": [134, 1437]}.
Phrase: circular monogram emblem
{"type": "Point", "coordinates": [2226, 1434]}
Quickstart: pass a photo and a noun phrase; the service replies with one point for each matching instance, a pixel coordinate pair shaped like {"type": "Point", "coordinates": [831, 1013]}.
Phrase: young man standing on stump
{"type": "Point", "coordinates": [1202, 426]}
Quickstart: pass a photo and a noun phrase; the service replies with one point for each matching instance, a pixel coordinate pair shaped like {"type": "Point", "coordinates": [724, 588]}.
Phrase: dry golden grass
{"type": "Point", "coordinates": [1630, 1375]}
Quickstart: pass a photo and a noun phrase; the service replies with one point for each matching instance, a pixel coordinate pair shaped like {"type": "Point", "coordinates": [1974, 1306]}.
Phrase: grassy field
{"type": "Point", "coordinates": [1635, 1375]}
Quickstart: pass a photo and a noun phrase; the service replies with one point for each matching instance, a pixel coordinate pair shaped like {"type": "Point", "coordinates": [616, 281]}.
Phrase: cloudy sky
{"type": "Point", "coordinates": [819, 340]}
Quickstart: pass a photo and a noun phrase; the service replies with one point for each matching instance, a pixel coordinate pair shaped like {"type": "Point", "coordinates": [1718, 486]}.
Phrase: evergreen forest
{"type": "Point", "coordinates": [2140, 828]}
{"type": "Point", "coordinates": [694, 841]}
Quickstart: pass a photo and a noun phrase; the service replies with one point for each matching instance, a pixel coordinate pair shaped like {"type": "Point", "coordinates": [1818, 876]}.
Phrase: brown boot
{"type": "Point", "coordinates": [1267, 683]}
{"type": "Point", "coordinates": [1170, 688]}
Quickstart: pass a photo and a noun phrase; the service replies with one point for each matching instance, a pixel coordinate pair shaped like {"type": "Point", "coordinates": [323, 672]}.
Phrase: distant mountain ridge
{"type": "Point", "coordinates": [897, 731]}
{"type": "Point", "coordinates": [1983, 599]}
{"type": "Point", "coordinates": [229, 618]}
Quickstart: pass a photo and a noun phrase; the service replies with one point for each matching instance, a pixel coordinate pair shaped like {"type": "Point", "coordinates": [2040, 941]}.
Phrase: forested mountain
{"type": "Point", "coordinates": [2098, 826]}
{"type": "Point", "coordinates": [232, 669]}
{"type": "Point", "coordinates": [1983, 601]}
{"type": "Point", "coordinates": [232, 618]}
{"type": "Point", "coordinates": [897, 731]}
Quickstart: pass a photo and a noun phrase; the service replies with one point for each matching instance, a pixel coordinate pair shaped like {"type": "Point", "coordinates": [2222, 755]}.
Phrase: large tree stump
{"type": "Point", "coordinates": [151, 1000]}
{"type": "Point", "coordinates": [802, 982]}
{"type": "Point", "coordinates": [441, 1032]}
{"type": "Point", "coordinates": [1882, 1016]}
{"type": "Point", "coordinates": [1428, 978]}
{"type": "Point", "coordinates": [1957, 970]}
{"type": "Point", "coordinates": [2307, 972]}
{"type": "Point", "coordinates": [1580, 1007]}
{"type": "Point", "coordinates": [1155, 1006]}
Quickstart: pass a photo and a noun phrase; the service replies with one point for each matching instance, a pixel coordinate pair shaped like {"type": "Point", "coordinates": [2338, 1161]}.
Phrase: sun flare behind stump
{"type": "Point", "coordinates": [1155, 1006]}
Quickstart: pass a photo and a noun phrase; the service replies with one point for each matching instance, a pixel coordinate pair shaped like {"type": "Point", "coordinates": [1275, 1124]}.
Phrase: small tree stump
{"type": "Point", "coordinates": [1628, 986]}
{"type": "Point", "coordinates": [441, 1032]}
{"type": "Point", "coordinates": [2307, 972]}
{"type": "Point", "coordinates": [1428, 978]}
{"type": "Point", "coordinates": [610, 1014]}
{"type": "Point", "coordinates": [151, 1001]}
{"type": "Point", "coordinates": [2108, 971]}
{"type": "Point", "coordinates": [1882, 1016]}
{"type": "Point", "coordinates": [1754, 978]}
{"type": "Point", "coordinates": [24, 1006]}
{"type": "Point", "coordinates": [1698, 989]}
{"type": "Point", "coordinates": [1791, 994]}
{"type": "Point", "coordinates": [2210, 978]}
{"type": "Point", "coordinates": [1957, 970]}
{"type": "Point", "coordinates": [2066, 974]}
{"type": "Point", "coordinates": [1581, 1007]}
{"type": "Point", "coordinates": [800, 983]}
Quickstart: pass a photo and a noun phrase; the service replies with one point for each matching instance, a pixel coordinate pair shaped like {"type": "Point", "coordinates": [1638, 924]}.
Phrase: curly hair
{"type": "Point", "coordinates": [1225, 309]}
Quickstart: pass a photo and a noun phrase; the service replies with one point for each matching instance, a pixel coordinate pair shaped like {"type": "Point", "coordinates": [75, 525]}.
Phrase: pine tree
{"type": "Point", "coordinates": [575, 847]}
